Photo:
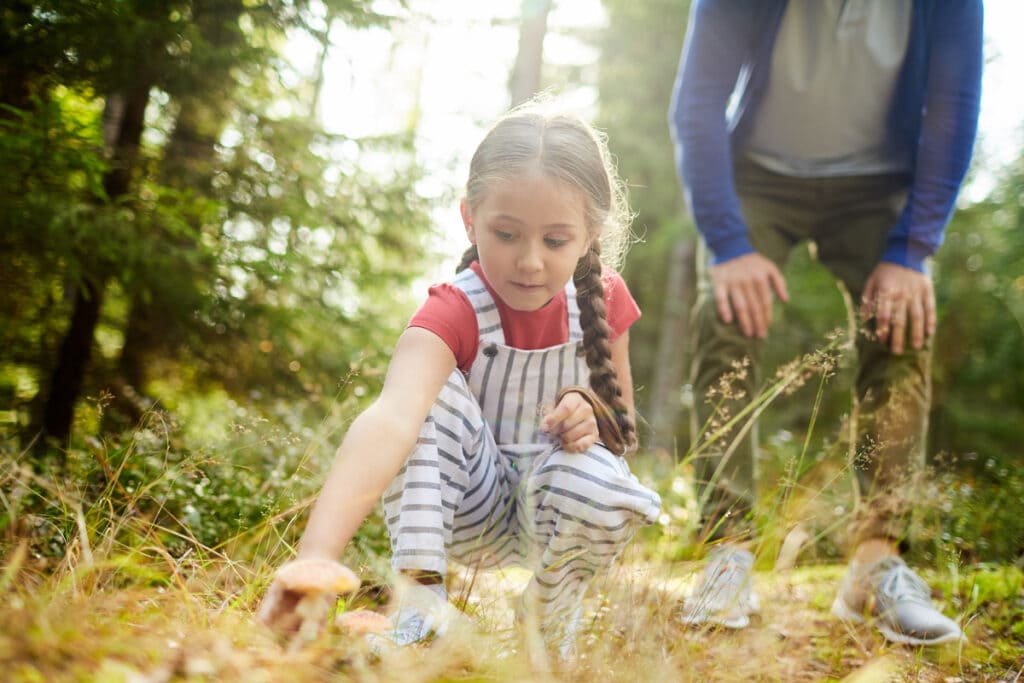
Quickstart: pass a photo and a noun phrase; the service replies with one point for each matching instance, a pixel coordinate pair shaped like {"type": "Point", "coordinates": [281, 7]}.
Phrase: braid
{"type": "Point", "coordinates": [603, 378]}
{"type": "Point", "coordinates": [468, 257]}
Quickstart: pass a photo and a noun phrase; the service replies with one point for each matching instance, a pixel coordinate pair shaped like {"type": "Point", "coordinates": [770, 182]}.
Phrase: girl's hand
{"type": "Point", "coordinates": [572, 421]}
{"type": "Point", "coordinates": [302, 593]}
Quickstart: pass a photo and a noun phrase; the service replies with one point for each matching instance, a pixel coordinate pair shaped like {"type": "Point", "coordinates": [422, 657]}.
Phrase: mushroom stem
{"type": "Point", "coordinates": [312, 609]}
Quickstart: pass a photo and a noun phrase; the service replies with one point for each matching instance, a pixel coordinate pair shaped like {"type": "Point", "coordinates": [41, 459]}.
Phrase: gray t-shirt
{"type": "Point", "coordinates": [834, 68]}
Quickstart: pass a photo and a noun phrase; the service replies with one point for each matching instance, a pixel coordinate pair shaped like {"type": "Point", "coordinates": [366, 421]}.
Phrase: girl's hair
{"type": "Point", "coordinates": [567, 149]}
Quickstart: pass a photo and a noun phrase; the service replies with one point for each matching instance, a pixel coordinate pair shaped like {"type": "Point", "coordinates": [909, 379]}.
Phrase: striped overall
{"type": "Point", "coordinates": [485, 487]}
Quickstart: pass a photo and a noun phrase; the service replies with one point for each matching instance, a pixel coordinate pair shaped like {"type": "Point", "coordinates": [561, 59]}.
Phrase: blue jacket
{"type": "Point", "coordinates": [934, 110]}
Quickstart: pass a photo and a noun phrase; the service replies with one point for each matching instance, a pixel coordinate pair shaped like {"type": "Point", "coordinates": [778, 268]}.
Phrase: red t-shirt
{"type": "Point", "coordinates": [448, 314]}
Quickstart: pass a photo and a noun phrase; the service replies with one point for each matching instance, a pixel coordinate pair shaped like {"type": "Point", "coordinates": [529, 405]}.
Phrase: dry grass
{"type": "Point", "coordinates": [138, 619]}
{"type": "Point", "coordinates": [130, 600]}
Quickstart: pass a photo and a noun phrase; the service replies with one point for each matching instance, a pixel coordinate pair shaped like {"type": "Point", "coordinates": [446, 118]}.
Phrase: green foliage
{"type": "Point", "coordinates": [244, 491]}
{"type": "Point", "coordinates": [250, 251]}
{"type": "Point", "coordinates": [639, 54]}
{"type": "Point", "coordinates": [980, 289]}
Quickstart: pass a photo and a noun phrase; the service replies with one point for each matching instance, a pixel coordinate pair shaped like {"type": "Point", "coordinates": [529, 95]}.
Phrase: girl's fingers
{"type": "Point", "coordinates": [569, 412]}
{"type": "Point", "coordinates": [579, 445]}
{"type": "Point", "coordinates": [553, 418]}
{"type": "Point", "coordinates": [582, 431]}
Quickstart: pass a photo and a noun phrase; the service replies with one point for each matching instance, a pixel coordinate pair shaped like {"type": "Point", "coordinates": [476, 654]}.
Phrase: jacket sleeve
{"type": "Point", "coordinates": [948, 128]}
{"type": "Point", "coordinates": [709, 68]}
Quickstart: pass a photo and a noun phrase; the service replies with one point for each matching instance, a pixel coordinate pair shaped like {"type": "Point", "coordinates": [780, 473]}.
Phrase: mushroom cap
{"type": "Point", "coordinates": [317, 576]}
{"type": "Point", "coordinates": [363, 621]}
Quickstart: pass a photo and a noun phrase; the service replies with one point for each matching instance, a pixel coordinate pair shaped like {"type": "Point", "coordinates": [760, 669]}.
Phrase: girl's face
{"type": "Point", "coordinates": [530, 232]}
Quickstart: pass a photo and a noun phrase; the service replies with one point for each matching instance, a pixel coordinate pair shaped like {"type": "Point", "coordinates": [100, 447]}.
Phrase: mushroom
{"type": "Point", "coordinates": [314, 580]}
{"type": "Point", "coordinates": [360, 621]}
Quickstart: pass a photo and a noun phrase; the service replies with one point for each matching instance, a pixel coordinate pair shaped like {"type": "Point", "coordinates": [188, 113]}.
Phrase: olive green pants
{"type": "Point", "coordinates": [847, 220]}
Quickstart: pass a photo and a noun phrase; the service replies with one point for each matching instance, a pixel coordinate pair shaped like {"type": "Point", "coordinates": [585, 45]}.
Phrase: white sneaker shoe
{"type": "Point", "coordinates": [724, 595]}
{"type": "Point", "coordinates": [898, 600]}
{"type": "Point", "coordinates": [423, 614]}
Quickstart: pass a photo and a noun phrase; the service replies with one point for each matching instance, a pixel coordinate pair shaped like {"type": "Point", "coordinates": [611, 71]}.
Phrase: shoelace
{"type": "Point", "coordinates": [899, 583]}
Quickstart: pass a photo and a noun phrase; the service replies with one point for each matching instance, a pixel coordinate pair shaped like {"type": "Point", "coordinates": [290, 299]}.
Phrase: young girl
{"type": "Point", "coordinates": [483, 443]}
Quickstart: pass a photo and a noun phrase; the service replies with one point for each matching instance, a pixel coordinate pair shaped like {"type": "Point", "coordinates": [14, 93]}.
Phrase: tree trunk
{"type": "Point", "coordinates": [525, 81]}
{"type": "Point", "coordinates": [188, 162]}
{"type": "Point", "coordinates": [76, 347]}
{"type": "Point", "coordinates": [665, 409]}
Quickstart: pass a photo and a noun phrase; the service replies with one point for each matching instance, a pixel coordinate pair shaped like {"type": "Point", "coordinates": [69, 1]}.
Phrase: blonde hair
{"type": "Point", "coordinates": [570, 150]}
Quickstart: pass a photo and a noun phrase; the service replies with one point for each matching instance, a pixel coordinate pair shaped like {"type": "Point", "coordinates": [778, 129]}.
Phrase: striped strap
{"type": "Point", "coordinates": [486, 310]}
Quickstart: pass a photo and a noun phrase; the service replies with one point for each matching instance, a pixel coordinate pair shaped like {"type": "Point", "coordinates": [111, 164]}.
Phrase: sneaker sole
{"type": "Point", "coordinates": [841, 610]}
{"type": "Point", "coordinates": [735, 623]}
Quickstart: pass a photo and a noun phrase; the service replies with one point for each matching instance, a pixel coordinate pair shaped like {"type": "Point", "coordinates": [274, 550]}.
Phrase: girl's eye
{"type": "Point", "coordinates": [503, 236]}
{"type": "Point", "coordinates": [554, 242]}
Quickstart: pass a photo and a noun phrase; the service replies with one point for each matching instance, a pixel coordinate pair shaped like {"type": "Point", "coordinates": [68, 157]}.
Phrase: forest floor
{"type": "Point", "coordinates": [120, 619]}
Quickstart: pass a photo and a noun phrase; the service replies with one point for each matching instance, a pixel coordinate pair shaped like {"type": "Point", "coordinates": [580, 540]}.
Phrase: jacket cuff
{"type": "Point", "coordinates": [908, 253]}
{"type": "Point", "coordinates": [729, 248]}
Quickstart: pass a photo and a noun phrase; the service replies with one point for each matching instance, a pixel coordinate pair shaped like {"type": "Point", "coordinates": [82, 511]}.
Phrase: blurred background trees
{"type": "Point", "coordinates": [175, 217]}
{"type": "Point", "coordinates": [182, 234]}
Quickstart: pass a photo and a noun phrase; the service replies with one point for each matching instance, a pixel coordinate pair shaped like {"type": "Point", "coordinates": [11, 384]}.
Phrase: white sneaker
{"type": "Point", "coordinates": [724, 595]}
{"type": "Point", "coordinates": [898, 600]}
{"type": "Point", "coordinates": [423, 614]}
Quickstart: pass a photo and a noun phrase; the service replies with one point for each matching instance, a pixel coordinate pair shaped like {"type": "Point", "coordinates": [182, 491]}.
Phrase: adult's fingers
{"type": "Point", "coordinates": [763, 308]}
{"type": "Point", "coordinates": [722, 303]}
{"type": "Point", "coordinates": [898, 326]}
{"type": "Point", "coordinates": [930, 319]}
{"type": "Point", "coordinates": [867, 301]}
{"type": "Point", "coordinates": [741, 307]}
{"type": "Point", "coordinates": [883, 317]}
{"type": "Point", "coordinates": [917, 321]}
{"type": "Point", "coordinates": [778, 283]}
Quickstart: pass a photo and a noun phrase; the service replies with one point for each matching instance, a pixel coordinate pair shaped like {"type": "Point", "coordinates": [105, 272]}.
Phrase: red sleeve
{"type": "Point", "coordinates": [620, 306]}
{"type": "Point", "coordinates": [448, 314]}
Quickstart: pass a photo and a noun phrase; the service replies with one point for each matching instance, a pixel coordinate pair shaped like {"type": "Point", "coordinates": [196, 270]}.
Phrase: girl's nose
{"type": "Point", "coordinates": [529, 259]}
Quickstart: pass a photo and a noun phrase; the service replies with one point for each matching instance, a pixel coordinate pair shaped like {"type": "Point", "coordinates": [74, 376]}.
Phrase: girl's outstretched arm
{"type": "Point", "coordinates": [373, 450]}
{"type": "Point", "coordinates": [378, 442]}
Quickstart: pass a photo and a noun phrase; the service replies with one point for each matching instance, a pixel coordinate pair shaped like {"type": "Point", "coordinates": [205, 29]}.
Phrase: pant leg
{"type": "Point", "coordinates": [726, 370]}
{"type": "Point", "coordinates": [578, 511]}
{"type": "Point", "coordinates": [893, 392]}
{"type": "Point", "coordinates": [454, 496]}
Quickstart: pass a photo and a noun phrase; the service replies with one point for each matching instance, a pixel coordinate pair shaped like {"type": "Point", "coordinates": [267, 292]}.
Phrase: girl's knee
{"type": "Point", "coordinates": [594, 490]}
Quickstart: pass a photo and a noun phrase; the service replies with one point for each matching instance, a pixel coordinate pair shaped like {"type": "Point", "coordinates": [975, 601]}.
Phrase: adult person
{"type": "Point", "coordinates": [849, 124]}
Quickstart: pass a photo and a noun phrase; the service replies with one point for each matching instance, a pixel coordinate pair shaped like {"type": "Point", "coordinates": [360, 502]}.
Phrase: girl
{"type": "Point", "coordinates": [455, 443]}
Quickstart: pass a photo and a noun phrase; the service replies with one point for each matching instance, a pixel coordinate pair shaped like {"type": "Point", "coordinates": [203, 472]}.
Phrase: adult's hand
{"type": "Point", "coordinates": [898, 295]}
{"type": "Point", "coordinates": [743, 289]}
